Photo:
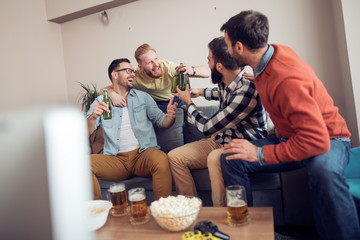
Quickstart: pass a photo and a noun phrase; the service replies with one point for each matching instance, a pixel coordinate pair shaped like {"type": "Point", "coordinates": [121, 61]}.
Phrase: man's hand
{"type": "Point", "coordinates": [185, 67]}
{"type": "Point", "coordinates": [171, 113]}
{"type": "Point", "coordinates": [117, 99]}
{"type": "Point", "coordinates": [99, 108]}
{"type": "Point", "coordinates": [249, 76]}
{"type": "Point", "coordinates": [171, 108]}
{"type": "Point", "coordinates": [196, 92]}
{"type": "Point", "coordinates": [243, 149]}
{"type": "Point", "coordinates": [184, 95]}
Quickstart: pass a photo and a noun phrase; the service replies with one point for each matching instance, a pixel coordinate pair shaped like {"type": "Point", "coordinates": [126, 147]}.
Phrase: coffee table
{"type": "Point", "coordinates": [261, 226]}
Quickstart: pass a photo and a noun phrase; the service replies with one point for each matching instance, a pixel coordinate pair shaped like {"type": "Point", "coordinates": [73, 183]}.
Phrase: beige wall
{"type": "Point", "coordinates": [42, 61]}
{"type": "Point", "coordinates": [31, 60]}
{"type": "Point", "coordinates": [351, 23]}
{"type": "Point", "coordinates": [180, 32]}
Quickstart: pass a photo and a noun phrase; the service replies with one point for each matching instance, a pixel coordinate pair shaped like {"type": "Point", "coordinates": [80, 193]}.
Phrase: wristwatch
{"type": "Point", "coordinates": [194, 72]}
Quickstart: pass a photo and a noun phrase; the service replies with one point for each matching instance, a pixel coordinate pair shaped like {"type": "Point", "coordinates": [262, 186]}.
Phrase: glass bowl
{"type": "Point", "coordinates": [176, 213]}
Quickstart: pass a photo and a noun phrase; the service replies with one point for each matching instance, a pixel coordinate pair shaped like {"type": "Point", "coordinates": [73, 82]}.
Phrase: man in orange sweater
{"type": "Point", "coordinates": [310, 131]}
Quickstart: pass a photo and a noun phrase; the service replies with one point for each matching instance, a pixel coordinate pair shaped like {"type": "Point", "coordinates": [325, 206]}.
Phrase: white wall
{"type": "Point", "coordinates": [34, 51]}
{"type": "Point", "coordinates": [351, 10]}
{"type": "Point", "coordinates": [181, 32]}
{"type": "Point", "coordinates": [31, 60]}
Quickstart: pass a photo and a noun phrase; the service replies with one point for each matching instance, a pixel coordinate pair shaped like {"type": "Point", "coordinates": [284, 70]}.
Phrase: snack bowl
{"type": "Point", "coordinates": [176, 213]}
{"type": "Point", "coordinates": [97, 212]}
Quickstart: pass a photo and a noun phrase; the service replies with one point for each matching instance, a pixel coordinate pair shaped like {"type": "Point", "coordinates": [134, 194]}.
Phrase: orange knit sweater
{"type": "Point", "coordinates": [300, 108]}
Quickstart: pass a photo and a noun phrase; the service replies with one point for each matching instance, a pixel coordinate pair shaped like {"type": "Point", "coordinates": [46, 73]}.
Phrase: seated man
{"type": "Point", "coordinates": [154, 76]}
{"type": "Point", "coordinates": [241, 115]}
{"type": "Point", "coordinates": [310, 131]}
{"type": "Point", "coordinates": [130, 146]}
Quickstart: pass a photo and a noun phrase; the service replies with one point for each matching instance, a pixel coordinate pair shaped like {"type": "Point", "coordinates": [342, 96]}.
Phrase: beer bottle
{"type": "Point", "coordinates": [106, 100]}
{"type": "Point", "coordinates": [183, 80]}
{"type": "Point", "coordinates": [175, 82]}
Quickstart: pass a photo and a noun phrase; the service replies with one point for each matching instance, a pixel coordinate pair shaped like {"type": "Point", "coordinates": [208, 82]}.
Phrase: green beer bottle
{"type": "Point", "coordinates": [106, 100]}
{"type": "Point", "coordinates": [175, 82]}
{"type": "Point", "coordinates": [183, 80]}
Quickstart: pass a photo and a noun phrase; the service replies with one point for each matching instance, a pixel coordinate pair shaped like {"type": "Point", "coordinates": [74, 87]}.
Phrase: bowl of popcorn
{"type": "Point", "coordinates": [97, 213]}
{"type": "Point", "coordinates": [176, 213]}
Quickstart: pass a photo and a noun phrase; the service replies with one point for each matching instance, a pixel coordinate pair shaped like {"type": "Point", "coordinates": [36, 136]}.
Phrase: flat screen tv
{"type": "Point", "coordinates": [44, 174]}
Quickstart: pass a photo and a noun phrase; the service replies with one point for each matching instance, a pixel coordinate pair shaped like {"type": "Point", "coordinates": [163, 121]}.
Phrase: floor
{"type": "Point", "coordinates": [296, 233]}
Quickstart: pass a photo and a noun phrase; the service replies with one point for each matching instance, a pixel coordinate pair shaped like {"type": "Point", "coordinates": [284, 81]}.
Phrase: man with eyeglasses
{"type": "Point", "coordinates": [154, 76]}
{"type": "Point", "coordinates": [130, 146]}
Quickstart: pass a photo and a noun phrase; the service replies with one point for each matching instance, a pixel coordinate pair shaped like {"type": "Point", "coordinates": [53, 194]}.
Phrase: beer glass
{"type": "Point", "coordinates": [116, 194]}
{"type": "Point", "coordinates": [237, 209]}
{"type": "Point", "coordinates": [138, 208]}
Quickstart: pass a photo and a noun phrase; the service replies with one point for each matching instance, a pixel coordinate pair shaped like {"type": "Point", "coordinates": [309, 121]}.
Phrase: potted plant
{"type": "Point", "coordinates": [88, 96]}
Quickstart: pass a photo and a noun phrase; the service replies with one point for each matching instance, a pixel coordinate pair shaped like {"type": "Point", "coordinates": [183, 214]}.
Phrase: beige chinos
{"type": "Point", "coordinates": [204, 153]}
{"type": "Point", "coordinates": [149, 163]}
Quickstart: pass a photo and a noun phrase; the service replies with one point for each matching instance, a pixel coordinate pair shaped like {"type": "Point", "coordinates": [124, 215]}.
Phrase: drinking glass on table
{"type": "Point", "coordinates": [139, 213]}
{"type": "Point", "coordinates": [116, 194]}
{"type": "Point", "coordinates": [237, 208]}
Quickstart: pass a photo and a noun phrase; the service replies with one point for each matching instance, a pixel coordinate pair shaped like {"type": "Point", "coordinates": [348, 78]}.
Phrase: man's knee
{"type": "Point", "coordinates": [174, 156]}
{"type": "Point", "coordinates": [159, 160]}
{"type": "Point", "coordinates": [213, 159]}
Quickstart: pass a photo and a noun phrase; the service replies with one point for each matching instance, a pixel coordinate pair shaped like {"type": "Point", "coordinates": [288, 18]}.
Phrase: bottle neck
{"type": "Point", "coordinates": [105, 94]}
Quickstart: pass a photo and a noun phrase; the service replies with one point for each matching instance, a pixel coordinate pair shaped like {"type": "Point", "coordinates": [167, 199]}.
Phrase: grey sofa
{"type": "Point", "coordinates": [286, 192]}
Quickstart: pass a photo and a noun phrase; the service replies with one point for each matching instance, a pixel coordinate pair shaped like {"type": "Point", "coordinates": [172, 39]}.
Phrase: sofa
{"type": "Point", "coordinates": [286, 192]}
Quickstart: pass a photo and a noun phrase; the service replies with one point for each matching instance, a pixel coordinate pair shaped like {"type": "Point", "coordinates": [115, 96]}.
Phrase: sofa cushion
{"type": "Point", "coordinates": [172, 137]}
{"type": "Point", "coordinates": [354, 188]}
{"type": "Point", "coordinates": [191, 133]}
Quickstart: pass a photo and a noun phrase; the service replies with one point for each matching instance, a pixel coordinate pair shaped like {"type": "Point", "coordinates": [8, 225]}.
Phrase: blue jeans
{"type": "Point", "coordinates": [163, 104]}
{"type": "Point", "coordinates": [334, 209]}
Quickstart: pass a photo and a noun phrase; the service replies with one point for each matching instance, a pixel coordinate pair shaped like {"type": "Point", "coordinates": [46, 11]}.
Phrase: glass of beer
{"type": "Point", "coordinates": [237, 209]}
{"type": "Point", "coordinates": [116, 194]}
{"type": "Point", "coordinates": [139, 213]}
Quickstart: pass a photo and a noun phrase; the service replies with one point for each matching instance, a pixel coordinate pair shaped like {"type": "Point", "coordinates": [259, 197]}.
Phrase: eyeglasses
{"type": "Point", "coordinates": [128, 70]}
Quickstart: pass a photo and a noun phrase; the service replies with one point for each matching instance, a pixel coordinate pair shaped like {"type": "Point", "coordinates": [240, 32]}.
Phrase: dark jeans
{"type": "Point", "coordinates": [163, 104]}
{"type": "Point", "coordinates": [334, 208]}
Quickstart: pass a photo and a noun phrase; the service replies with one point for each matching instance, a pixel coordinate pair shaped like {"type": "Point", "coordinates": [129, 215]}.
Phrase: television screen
{"type": "Point", "coordinates": [44, 174]}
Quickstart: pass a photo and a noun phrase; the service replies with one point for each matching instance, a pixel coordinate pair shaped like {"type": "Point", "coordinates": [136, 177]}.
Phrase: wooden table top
{"type": "Point", "coordinates": [261, 226]}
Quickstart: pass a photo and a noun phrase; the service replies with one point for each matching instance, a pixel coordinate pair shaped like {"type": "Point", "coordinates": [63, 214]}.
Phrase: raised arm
{"type": "Point", "coordinates": [116, 98]}
{"type": "Point", "coordinates": [198, 71]}
{"type": "Point", "coordinates": [97, 112]}
{"type": "Point", "coordinates": [170, 115]}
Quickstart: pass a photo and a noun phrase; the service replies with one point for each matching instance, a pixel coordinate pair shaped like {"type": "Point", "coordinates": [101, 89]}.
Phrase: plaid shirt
{"type": "Point", "coordinates": [241, 114]}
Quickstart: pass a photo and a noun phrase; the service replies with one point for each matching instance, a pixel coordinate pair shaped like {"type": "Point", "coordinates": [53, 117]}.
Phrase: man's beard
{"type": "Point", "coordinates": [151, 74]}
{"type": "Point", "coordinates": [215, 76]}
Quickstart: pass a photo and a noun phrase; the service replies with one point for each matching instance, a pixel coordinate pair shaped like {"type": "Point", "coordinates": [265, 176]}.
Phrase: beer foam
{"type": "Point", "coordinates": [117, 188]}
{"type": "Point", "coordinates": [136, 197]}
{"type": "Point", "coordinates": [236, 203]}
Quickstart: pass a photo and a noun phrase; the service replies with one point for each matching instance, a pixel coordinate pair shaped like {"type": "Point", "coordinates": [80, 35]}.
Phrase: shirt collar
{"type": "Point", "coordinates": [264, 61]}
{"type": "Point", "coordinates": [131, 92]}
{"type": "Point", "coordinates": [232, 86]}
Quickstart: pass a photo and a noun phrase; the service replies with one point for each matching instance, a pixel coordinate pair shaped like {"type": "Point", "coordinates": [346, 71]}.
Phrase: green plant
{"type": "Point", "coordinates": [88, 96]}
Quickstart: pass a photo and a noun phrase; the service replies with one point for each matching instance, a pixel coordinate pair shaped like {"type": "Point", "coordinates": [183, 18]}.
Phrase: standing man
{"type": "Point", "coordinates": [310, 131]}
{"type": "Point", "coordinates": [130, 146]}
{"type": "Point", "coordinates": [154, 76]}
{"type": "Point", "coordinates": [241, 115]}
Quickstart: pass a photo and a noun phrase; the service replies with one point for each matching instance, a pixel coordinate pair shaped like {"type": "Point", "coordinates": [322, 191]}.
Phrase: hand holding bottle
{"type": "Point", "coordinates": [184, 95]}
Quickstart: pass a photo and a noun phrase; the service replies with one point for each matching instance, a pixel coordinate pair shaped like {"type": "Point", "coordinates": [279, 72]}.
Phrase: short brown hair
{"type": "Point", "coordinates": [142, 50]}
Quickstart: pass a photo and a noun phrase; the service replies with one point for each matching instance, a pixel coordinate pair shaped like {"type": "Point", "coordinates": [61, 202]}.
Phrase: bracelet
{"type": "Point", "coordinates": [194, 72]}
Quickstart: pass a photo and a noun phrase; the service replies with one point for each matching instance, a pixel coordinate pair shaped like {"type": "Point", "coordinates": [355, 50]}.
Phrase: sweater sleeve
{"type": "Point", "coordinates": [294, 99]}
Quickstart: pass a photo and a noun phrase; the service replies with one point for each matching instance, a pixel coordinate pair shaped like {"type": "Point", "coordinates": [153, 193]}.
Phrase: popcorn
{"type": "Point", "coordinates": [176, 213]}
